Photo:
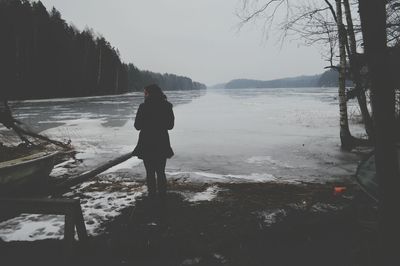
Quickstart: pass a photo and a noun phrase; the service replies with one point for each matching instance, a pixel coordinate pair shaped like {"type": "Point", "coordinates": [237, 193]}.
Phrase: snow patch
{"type": "Point", "coordinates": [271, 217]}
{"type": "Point", "coordinates": [128, 164]}
{"type": "Point", "coordinates": [61, 169]}
{"type": "Point", "coordinates": [202, 176]}
{"type": "Point", "coordinates": [100, 202]}
{"type": "Point", "coordinates": [325, 207]}
{"type": "Point", "coordinates": [30, 227]}
{"type": "Point", "coordinates": [207, 195]}
{"type": "Point", "coordinates": [193, 261]}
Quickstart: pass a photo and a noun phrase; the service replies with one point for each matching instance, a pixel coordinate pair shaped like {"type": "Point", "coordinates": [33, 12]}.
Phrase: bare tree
{"type": "Point", "coordinates": [393, 22]}
{"type": "Point", "coordinates": [315, 22]}
{"type": "Point", "coordinates": [355, 69]}
{"type": "Point", "coordinates": [380, 26]}
{"type": "Point", "coordinates": [345, 136]}
{"type": "Point", "coordinates": [374, 29]}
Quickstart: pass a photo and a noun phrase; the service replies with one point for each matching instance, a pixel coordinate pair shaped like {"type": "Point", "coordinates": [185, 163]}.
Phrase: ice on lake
{"type": "Point", "coordinates": [240, 135]}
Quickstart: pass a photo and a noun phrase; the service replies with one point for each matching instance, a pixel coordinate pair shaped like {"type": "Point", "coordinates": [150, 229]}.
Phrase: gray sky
{"type": "Point", "coordinates": [194, 38]}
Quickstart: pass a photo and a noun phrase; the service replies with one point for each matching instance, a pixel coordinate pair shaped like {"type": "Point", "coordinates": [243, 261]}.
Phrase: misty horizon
{"type": "Point", "coordinates": [210, 50]}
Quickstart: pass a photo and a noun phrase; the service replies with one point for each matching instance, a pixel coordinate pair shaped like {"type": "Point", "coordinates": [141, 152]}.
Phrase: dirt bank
{"type": "Point", "coordinates": [245, 224]}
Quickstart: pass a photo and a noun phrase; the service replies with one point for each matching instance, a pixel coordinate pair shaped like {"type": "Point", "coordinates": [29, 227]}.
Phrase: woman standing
{"type": "Point", "coordinates": [154, 118]}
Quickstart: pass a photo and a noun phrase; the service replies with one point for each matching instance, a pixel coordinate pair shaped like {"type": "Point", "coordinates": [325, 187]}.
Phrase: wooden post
{"type": "Point", "coordinates": [80, 223]}
{"type": "Point", "coordinates": [69, 232]}
{"type": "Point", "coordinates": [71, 208]}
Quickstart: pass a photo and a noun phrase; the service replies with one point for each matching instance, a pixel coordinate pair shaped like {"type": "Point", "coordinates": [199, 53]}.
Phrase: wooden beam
{"type": "Point", "coordinates": [38, 205]}
{"type": "Point", "coordinates": [74, 180]}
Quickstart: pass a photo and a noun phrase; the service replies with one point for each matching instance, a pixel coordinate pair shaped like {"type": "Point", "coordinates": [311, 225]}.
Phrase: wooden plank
{"type": "Point", "coordinates": [74, 180]}
{"type": "Point", "coordinates": [37, 206]}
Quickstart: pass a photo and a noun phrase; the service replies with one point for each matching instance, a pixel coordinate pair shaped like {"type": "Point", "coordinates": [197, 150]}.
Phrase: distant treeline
{"type": "Point", "coordinates": [137, 79]}
{"type": "Point", "coordinates": [327, 79]}
{"type": "Point", "coordinates": [41, 56]}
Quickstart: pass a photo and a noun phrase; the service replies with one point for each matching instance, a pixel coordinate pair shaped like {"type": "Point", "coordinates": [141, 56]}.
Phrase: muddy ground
{"type": "Point", "coordinates": [246, 224]}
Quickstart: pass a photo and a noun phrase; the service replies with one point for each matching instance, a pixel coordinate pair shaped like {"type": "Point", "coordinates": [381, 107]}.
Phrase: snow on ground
{"type": "Point", "coordinates": [30, 227]}
{"type": "Point", "coordinates": [102, 205]}
{"type": "Point", "coordinates": [128, 164]}
{"type": "Point", "coordinates": [324, 207]}
{"type": "Point", "coordinates": [270, 217]}
{"type": "Point", "coordinates": [207, 176]}
{"type": "Point", "coordinates": [61, 169]}
{"type": "Point", "coordinates": [207, 195]}
{"type": "Point", "coordinates": [101, 201]}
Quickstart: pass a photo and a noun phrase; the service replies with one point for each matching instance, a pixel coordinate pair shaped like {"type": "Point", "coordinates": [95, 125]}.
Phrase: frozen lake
{"type": "Point", "coordinates": [247, 135]}
{"type": "Point", "coordinates": [255, 134]}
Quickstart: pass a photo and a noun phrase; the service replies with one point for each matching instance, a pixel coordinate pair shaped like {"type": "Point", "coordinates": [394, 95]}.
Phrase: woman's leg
{"type": "Point", "coordinates": [161, 178]}
{"type": "Point", "coordinates": [150, 177]}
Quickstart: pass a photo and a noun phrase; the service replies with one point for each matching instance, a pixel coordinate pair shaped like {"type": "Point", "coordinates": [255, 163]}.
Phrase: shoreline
{"type": "Point", "coordinates": [244, 224]}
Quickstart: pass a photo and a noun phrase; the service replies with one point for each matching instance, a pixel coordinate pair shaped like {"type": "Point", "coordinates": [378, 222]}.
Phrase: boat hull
{"type": "Point", "coordinates": [26, 173]}
{"type": "Point", "coordinates": [366, 175]}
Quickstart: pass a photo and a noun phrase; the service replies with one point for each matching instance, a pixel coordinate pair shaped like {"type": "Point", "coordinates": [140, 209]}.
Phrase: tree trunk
{"type": "Point", "coordinates": [116, 80]}
{"type": "Point", "coordinates": [373, 22]}
{"type": "Point", "coordinates": [345, 136]}
{"type": "Point", "coordinates": [99, 68]}
{"type": "Point", "coordinates": [355, 71]}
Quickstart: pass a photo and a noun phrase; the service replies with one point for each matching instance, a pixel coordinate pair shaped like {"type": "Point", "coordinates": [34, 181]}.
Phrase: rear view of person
{"type": "Point", "coordinates": [154, 118]}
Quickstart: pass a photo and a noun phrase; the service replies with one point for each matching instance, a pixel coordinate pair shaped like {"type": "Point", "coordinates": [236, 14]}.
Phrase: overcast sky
{"type": "Point", "coordinates": [194, 38]}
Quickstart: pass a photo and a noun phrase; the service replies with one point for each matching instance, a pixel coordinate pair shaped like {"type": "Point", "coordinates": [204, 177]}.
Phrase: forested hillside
{"type": "Point", "coordinates": [137, 79]}
{"type": "Point", "coordinates": [327, 79]}
{"type": "Point", "coordinates": [44, 57]}
{"type": "Point", "coordinates": [302, 81]}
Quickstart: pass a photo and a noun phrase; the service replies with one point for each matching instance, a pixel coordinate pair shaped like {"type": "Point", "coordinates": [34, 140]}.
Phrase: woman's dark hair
{"type": "Point", "coordinates": [155, 92]}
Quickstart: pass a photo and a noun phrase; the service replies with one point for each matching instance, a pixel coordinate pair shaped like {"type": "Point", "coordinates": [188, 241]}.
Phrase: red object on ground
{"type": "Point", "coordinates": [338, 190]}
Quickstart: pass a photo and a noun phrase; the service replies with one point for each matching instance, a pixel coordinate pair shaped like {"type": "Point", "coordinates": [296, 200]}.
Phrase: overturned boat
{"type": "Point", "coordinates": [366, 175]}
{"type": "Point", "coordinates": [26, 173]}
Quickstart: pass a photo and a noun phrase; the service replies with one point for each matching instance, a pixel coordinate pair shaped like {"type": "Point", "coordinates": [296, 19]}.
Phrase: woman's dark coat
{"type": "Point", "coordinates": [154, 118]}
